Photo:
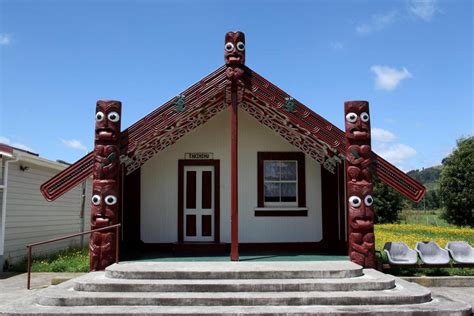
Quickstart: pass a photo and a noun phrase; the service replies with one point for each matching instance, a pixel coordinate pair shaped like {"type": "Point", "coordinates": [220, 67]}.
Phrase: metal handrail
{"type": "Point", "coordinates": [30, 246]}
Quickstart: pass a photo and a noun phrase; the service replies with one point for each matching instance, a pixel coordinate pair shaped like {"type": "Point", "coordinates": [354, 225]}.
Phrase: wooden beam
{"type": "Point", "coordinates": [234, 215]}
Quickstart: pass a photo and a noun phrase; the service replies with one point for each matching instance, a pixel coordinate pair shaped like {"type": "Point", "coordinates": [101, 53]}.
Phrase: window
{"type": "Point", "coordinates": [281, 180]}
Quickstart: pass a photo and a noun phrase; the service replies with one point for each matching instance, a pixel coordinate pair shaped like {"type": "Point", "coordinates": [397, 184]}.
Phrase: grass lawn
{"type": "Point", "coordinates": [415, 226]}
{"type": "Point", "coordinates": [69, 260]}
{"type": "Point", "coordinates": [429, 217]}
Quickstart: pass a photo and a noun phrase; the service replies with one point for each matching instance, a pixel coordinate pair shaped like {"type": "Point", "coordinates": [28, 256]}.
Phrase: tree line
{"type": "Point", "coordinates": [449, 187]}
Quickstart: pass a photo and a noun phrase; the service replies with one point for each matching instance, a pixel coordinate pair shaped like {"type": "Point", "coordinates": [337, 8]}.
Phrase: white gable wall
{"type": "Point", "coordinates": [30, 218]}
{"type": "Point", "coordinates": [159, 183]}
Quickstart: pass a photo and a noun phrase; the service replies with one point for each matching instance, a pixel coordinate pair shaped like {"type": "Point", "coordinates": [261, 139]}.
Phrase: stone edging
{"type": "Point", "coordinates": [442, 281]}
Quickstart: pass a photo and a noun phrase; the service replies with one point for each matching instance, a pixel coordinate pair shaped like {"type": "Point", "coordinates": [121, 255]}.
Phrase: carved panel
{"type": "Point", "coordinates": [105, 187]}
{"type": "Point", "coordinates": [359, 184]}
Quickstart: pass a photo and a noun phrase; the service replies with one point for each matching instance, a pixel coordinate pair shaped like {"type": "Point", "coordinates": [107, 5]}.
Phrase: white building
{"type": "Point", "coordinates": [25, 217]}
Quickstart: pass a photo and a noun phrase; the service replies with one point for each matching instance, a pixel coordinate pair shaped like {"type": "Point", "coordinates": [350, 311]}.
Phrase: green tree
{"type": "Point", "coordinates": [457, 184]}
{"type": "Point", "coordinates": [387, 203]}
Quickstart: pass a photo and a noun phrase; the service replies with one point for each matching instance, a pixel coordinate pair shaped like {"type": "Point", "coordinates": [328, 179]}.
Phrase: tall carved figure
{"type": "Point", "coordinates": [359, 183]}
{"type": "Point", "coordinates": [234, 55]}
{"type": "Point", "coordinates": [105, 189]}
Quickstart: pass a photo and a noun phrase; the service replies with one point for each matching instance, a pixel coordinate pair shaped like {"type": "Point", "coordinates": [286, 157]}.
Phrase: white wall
{"type": "Point", "coordinates": [159, 183]}
{"type": "Point", "coordinates": [30, 218]}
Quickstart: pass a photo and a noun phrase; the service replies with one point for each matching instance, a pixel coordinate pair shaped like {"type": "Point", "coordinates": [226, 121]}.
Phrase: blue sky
{"type": "Point", "coordinates": [412, 60]}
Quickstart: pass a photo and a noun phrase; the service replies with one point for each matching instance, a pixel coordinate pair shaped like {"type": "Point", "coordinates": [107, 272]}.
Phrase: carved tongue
{"type": "Point", "coordinates": [359, 134]}
{"type": "Point", "coordinates": [105, 135]}
{"type": "Point", "coordinates": [100, 221]}
{"type": "Point", "coordinates": [362, 223]}
{"type": "Point", "coordinates": [234, 59]}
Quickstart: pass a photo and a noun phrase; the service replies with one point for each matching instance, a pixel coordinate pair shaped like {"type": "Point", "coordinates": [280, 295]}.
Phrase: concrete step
{"type": "Point", "coordinates": [403, 293]}
{"type": "Point", "coordinates": [439, 306]}
{"type": "Point", "coordinates": [234, 270]}
{"type": "Point", "coordinates": [370, 281]}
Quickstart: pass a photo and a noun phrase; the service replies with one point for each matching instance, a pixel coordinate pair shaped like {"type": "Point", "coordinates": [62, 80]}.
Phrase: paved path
{"type": "Point", "coordinates": [465, 294]}
{"type": "Point", "coordinates": [13, 286]}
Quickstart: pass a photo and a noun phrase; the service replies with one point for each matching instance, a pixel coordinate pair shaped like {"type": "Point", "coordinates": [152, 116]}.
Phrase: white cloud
{"type": "Point", "coordinates": [337, 45]}
{"type": "Point", "coordinates": [423, 9]}
{"type": "Point", "coordinates": [388, 78]}
{"type": "Point", "coordinates": [382, 135]}
{"type": "Point", "coordinates": [7, 141]}
{"type": "Point", "coordinates": [378, 22]}
{"type": "Point", "coordinates": [5, 39]}
{"type": "Point", "coordinates": [74, 144]}
{"type": "Point", "coordinates": [363, 29]}
{"type": "Point", "coordinates": [396, 153]}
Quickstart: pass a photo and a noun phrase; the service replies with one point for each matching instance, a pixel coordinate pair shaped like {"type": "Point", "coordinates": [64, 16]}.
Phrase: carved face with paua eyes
{"type": "Point", "coordinates": [104, 202]}
{"type": "Point", "coordinates": [234, 48]}
{"type": "Point", "coordinates": [361, 211]}
{"type": "Point", "coordinates": [107, 120]}
{"type": "Point", "coordinates": [357, 120]}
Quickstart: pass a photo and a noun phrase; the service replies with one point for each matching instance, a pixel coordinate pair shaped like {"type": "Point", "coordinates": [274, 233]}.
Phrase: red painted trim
{"type": "Point", "coordinates": [299, 157]}
{"type": "Point", "coordinates": [275, 213]}
{"type": "Point", "coordinates": [234, 196]}
{"type": "Point", "coordinates": [323, 130]}
{"type": "Point", "coordinates": [68, 178]}
{"type": "Point", "coordinates": [180, 200]}
{"type": "Point", "coordinates": [6, 149]}
{"type": "Point", "coordinates": [200, 95]}
{"type": "Point", "coordinates": [341, 169]}
{"type": "Point", "coordinates": [217, 205]}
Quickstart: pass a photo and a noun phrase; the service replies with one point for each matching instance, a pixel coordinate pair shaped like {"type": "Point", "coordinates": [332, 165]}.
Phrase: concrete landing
{"type": "Point", "coordinates": [233, 270]}
{"type": "Point", "coordinates": [99, 282]}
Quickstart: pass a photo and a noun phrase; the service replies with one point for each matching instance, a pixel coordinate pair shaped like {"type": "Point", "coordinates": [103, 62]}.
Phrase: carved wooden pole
{"type": "Point", "coordinates": [234, 56]}
{"type": "Point", "coordinates": [359, 184]}
{"type": "Point", "coordinates": [106, 193]}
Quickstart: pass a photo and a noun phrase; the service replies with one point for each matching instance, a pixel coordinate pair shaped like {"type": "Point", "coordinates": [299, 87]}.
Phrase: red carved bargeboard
{"type": "Point", "coordinates": [161, 128]}
{"type": "Point", "coordinates": [359, 184]}
{"type": "Point", "coordinates": [105, 188]}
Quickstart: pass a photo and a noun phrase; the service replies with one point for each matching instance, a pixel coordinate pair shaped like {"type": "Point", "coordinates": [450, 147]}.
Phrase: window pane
{"type": "Point", "coordinates": [272, 192]}
{"type": "Point", "coordinates": [272, 170]}
{"type": "Point", "coordinates": [288, 192]}
{"type": "Point", "coordinates": [288, 170]}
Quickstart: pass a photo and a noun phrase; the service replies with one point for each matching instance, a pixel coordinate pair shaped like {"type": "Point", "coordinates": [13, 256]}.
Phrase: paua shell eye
{"type": "Point", "coordinates": [368, 200]}
{"type": "Point", "coordinates": [96, 199]}
{"type": "Point", "coordinates": [355, 201]}
{"type": "Point", "coordinates": [240, 46]}
{"type": "Point", "coordinates": [99, 116]}
{"type": "Point", "coordinates": [351, 117]}
{"type": "Point", "coordinates": [364, 117]}
{"type": "Point", "coordinates": [229, 47]}
{"type": "Point", "coordinates": [110, 200]}
{"type": "Point", "coordinates": [113, 117]}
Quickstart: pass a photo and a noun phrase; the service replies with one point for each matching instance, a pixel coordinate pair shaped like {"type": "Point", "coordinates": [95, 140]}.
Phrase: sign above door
{"type": "Point", "coordinates": [199, 156]}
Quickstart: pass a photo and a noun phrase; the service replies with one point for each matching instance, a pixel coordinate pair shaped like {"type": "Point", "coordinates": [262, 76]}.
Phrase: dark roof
{"type": "Point", "coordinates": [261, 99]}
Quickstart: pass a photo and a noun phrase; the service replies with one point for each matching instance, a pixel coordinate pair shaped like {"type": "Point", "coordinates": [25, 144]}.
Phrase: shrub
{"type": "Point", "coordinates": [387, 203]}
{"type": "Point", "coordinates": [457, 184]}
